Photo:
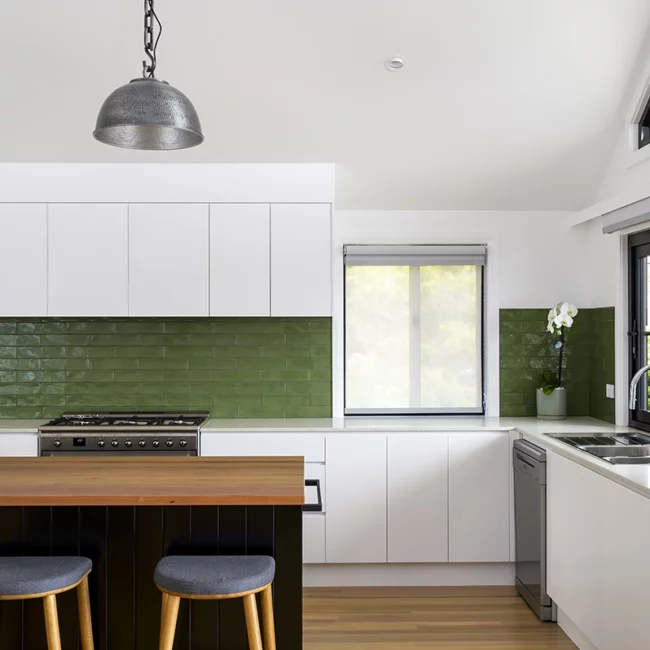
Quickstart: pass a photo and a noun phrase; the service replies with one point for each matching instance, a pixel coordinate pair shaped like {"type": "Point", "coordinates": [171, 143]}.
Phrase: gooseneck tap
{"type": "Point", "coordinates": [634, 383]}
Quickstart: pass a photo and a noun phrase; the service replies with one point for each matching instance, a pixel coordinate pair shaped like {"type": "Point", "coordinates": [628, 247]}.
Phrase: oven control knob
{"type": "Point", "coordinates": [142, 442]}
{"type": "Point", "coordinates": [182, 442]}
{"type": "Point", "coordinates": [169, 443]}
{"type": "Point", "coordinates": [101, 442]}
{"type": "Point", "coordinates": [114, 443]}
{"type": "Point", "coordinates": [128, 443]}
{"type": "Point", "coordinates": [57, 443]}
{"type": "Point", "coordinates": [155, 442]}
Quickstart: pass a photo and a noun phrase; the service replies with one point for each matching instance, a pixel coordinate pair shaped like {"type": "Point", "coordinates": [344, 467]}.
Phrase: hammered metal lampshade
{"type": "Point", "coordinates": [148, 114]}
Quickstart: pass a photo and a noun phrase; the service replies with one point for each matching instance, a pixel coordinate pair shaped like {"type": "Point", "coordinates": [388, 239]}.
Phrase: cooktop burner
{"type": "Point", "coordinates": [80, 420]}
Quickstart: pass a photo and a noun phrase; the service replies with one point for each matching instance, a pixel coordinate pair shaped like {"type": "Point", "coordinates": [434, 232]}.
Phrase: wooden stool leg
{"type": "Point", "coordinates": [252, 623]}
{"type": "Point", "coordinates": [267, 619]}
{"type": "Point", "coordinates": [162, 612]}
{"type": "Point", "coordinates": [52, 623]}
{"type": "Point", "coordinates": [85, 620]}
{"type": "Point", "coordinates": [168, 623]}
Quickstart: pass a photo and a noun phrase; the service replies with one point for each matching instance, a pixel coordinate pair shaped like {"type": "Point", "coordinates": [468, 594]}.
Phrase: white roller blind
{"type": "Point", "coordinates": [626, 217]}
{"type": "Point", "coordinates": [366, 255]}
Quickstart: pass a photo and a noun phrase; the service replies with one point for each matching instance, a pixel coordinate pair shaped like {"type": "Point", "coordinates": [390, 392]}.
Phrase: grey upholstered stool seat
{"type": "Point", "coordinates": [26, 576]}
{"type": "Point", "coordinates": [212, 575]}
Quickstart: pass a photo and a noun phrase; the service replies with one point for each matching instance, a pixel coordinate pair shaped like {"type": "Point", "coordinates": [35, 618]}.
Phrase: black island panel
{"type": "Point", "coordinates": [125, 543]}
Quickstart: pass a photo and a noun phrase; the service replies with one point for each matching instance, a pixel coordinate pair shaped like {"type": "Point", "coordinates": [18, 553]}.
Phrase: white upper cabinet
{"type": "Point", "coordinates": [240, 243]}
{"type": "Point", "coordinates": [301, 278]}
{"type": "Point", "coordinates": [417, 498]}
{"type": "Point", "coordinates": [356, 498]}
{"type": "Point", "coordinates": [88, 259]}
{"type": "Point", "coordinates": [23, 275]}
{"type": "Point", "coordinates": [479, 497]}
{"type": "Point", "coordinates": [168, 259]}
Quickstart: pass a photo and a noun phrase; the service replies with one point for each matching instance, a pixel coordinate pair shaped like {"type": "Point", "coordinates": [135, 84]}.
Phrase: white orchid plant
{"type": "Point", "coordinates": [560, 318]}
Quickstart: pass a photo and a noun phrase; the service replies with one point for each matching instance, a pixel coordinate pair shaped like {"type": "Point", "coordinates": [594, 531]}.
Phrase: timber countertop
{"type": "Point", "coordinates": [152, 481]}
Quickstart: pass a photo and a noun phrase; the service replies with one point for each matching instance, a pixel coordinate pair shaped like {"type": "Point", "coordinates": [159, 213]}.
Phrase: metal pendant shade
{"type": "Point", "coordinates": [148, 114]}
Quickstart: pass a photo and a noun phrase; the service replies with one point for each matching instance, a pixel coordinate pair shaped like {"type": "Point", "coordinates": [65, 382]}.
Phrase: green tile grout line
{"type": "Point", "coordinates": [232, 367]}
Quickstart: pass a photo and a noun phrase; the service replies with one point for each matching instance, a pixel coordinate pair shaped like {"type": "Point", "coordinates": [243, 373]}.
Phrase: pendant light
{"type": "Point", "coordinates": [148, 113]}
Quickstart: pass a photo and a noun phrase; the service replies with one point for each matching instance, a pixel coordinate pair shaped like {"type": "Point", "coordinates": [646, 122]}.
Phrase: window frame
{"type": "Point", "coordinates": [638, 247]}
{"type": "Point", "coordinates": [422, 411]}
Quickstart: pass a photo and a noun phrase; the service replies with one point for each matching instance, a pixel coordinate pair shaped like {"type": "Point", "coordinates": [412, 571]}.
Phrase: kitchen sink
{"type": "Point", "coordinates": [617, 451]}
{"type": "Point", "coordinates": [629, 460]}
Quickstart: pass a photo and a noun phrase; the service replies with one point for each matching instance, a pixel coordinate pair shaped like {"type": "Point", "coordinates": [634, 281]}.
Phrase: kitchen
{"type": "Point", "coordinates": [313, 339]}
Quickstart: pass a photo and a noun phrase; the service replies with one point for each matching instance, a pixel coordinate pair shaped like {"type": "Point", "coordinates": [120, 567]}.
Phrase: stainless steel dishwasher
{"type": "Point", "coordinates": [529, 464]}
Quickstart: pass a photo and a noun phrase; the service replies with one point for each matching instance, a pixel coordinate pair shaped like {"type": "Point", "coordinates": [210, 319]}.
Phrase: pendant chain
{"type": "Point", "coordinates": [150, 39]}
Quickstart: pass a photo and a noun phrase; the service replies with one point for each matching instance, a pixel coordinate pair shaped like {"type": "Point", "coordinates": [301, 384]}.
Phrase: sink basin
{"type": "Point", "coordinates": [629, 460]}
{"type": "Point", "coordinates": [603, 451]}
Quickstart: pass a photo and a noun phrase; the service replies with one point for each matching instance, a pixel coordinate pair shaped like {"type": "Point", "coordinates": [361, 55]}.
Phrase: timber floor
{"type": "Point", "coordinates": [440, 618]}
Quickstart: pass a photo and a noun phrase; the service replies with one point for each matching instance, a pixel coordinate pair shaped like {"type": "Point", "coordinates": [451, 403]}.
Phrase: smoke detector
{"type": "Point", "coordinates": [395, 63]}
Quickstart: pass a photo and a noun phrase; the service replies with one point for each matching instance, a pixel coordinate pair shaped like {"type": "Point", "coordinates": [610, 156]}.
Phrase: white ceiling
{"type": "Point", "coordinates": [504, 104]}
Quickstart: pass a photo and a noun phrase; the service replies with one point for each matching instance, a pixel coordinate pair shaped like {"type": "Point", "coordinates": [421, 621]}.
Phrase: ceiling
{"type": "Point", "coordinates": [503, 104]}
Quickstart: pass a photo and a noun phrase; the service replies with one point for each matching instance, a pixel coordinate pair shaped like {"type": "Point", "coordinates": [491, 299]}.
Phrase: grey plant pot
{"type": "Point", "coordinates": [553, 406]}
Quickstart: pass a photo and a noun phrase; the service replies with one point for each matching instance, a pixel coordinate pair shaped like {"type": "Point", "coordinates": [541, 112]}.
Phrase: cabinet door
{"type": "Point", "coordinates": [479, 497]}
{"type": "Point", "coordinates": [18, 444]}
{"type": "Point", "coordinates": [301, 277]}
{"type": "Point", "coordinates": [87, 259]}
{"type": "Point", "coordinates": [168, 259]}
{"type": "Point", "coordinates": [240, 259]}
{"type": "Point", "coordinates": [356, 498]}
{"type": "Point", "coordinates": [417, 498]}
{"type": "Point", "coordinates": [23, 260]}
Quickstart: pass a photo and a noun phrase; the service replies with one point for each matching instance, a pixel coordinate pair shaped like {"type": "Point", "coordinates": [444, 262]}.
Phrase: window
{"type": "Point", "coordinates": [639, 330]}
{"type": "Point", "coordinates": [414, 329]}
{"type": "Point", "coordinates": [644, 127]}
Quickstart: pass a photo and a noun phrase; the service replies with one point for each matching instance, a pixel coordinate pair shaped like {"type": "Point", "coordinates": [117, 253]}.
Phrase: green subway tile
{"type": "Point", "coordinates": [314, 411]}
{"type": "Point", "coordinates": [285, 375]}
{"type": "Point", "coordinates": [262, 388]}
{"type": "Point", "coordinates": [262, 363]}
{"type": "Point", "coordinates": [7, 401]}
{"type": "Point", "coordinates": [234, 367]}
{"type": "Point", "coordinates": [261, 412]}
{"type": "Point", "coordinates": [286, 400]}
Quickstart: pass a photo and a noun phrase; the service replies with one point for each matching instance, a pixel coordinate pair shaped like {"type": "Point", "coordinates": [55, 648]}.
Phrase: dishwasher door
{"type": "Point", "coordinates": [529, 465]}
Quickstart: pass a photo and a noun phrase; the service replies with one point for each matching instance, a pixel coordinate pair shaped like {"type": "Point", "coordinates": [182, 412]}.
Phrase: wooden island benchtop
{"type": "Point", "coordinates": [151, 481]}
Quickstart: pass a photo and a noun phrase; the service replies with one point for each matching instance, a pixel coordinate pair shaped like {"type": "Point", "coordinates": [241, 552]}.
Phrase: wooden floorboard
{"type": "Point", "coordinates": [440, 618]}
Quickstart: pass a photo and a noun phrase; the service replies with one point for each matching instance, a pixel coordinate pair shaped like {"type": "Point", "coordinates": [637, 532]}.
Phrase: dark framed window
{"type": "Point", "coordinates": [639, 323]}
{"type": "Point", "coordinates": [644, 127]}
{"type": "Point", "coordinates": [414, 330]}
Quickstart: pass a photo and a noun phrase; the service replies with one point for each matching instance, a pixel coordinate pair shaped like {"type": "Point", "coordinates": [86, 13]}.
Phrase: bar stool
{"type": "Point", "coordinates": [22, 578]}
{"type": "Point", "coordinates": [217, 577]}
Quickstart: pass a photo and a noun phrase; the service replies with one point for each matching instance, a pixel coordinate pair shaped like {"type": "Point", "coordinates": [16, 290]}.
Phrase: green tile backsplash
{"type": "Point", "coordinates": [232, 367]}
{"type": "Point", "coordinates": [588, 364]}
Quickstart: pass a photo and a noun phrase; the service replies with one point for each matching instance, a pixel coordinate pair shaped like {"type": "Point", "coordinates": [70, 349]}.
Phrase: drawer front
{"type": "Point", "coordinates": [311, 446]}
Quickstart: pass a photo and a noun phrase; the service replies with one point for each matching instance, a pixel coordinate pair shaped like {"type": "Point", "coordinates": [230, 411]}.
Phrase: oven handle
{"type": "Point", "coordinates": [314, 507]}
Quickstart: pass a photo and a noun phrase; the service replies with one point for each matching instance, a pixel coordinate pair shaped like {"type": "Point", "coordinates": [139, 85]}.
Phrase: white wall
{"type": "Point", "coordinates": [535, 259]}
{"type": "Point", "coordinates": [603, 264]}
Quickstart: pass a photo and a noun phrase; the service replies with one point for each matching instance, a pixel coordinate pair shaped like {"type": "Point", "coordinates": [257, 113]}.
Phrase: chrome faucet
{"type": "Point", "coordinates": [634, 383]}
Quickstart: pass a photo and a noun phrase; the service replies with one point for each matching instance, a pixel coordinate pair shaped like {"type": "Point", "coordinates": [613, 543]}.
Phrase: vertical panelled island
{"type": "Point", "coordinates": [125, 514]}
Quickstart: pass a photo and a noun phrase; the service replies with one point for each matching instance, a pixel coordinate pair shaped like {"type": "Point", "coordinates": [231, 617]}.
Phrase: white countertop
{"type": "Point", "coordinates": [20, 426]}
{"type": "Point", "coordinates": [634, 477]}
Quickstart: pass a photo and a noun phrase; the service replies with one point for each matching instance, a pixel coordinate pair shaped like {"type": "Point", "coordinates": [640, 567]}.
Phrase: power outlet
{"type": "Point", "coordinates": [609, 391]}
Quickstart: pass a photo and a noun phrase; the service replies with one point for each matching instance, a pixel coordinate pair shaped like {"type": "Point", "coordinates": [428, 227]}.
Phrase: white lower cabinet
{"type": "Point", "coordinates": [479, 497]}
{"type": "Point", "coordinates": [18, 444]}
{"type": "Point", "coordinates": [417, 498]}
{"type": "Point", "coordinates": [356, 498]}
{"type": "Point", "coordinates": [597, 540]}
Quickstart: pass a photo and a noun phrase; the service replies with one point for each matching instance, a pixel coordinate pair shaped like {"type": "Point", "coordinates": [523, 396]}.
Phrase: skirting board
{"type": "Point", "coordinates": [408, 575]}
{"type": "Point", "coordinates": [574, 632]}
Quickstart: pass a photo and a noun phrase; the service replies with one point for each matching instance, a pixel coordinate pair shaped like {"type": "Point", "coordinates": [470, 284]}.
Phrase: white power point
{"type": "Point", "coordinates": [609, 391]}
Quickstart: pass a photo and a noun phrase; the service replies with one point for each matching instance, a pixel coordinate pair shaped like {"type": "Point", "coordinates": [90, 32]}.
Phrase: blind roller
{"type": "Point", "coordinates": [364, 255]}
{"type": "Point", "coordinates": [627, 216]}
